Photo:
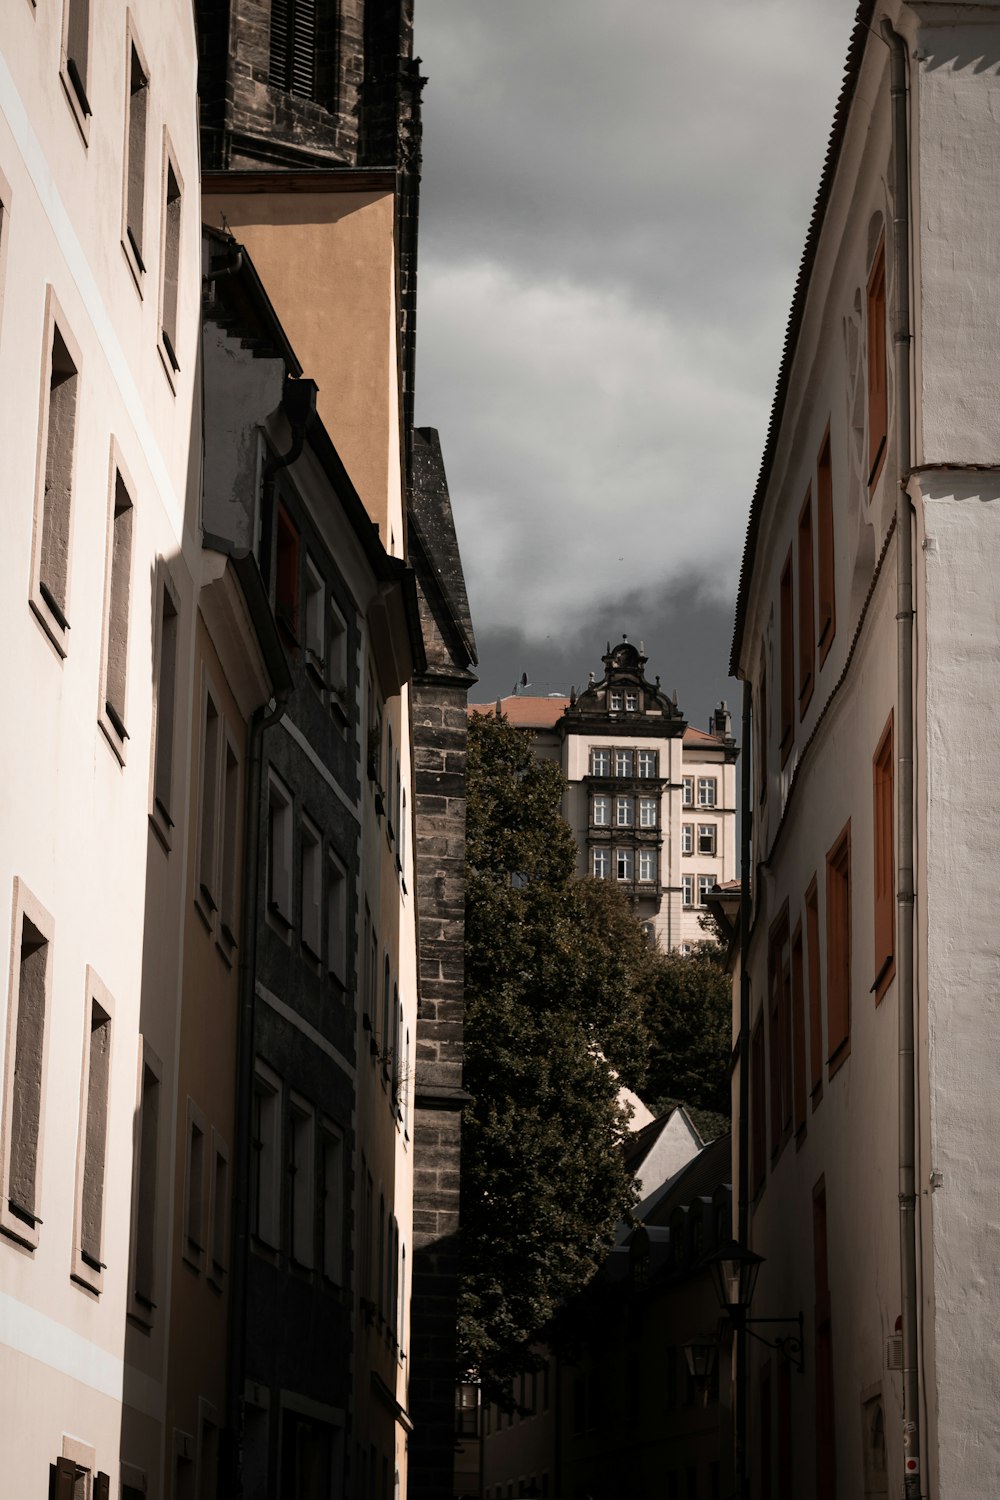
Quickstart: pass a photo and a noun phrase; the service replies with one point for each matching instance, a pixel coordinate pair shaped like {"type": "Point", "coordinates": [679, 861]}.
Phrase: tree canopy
{"type": "Point", "coordinates": [557, 979]}
{"type": "Point", "coordinates": [689, 1016]}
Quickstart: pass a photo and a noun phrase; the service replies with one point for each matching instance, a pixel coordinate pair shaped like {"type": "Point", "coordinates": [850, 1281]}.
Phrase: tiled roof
{"type": "Point", "coordinates": [701, 737]}
{"type": "Point", "coordinates": [526, 713]}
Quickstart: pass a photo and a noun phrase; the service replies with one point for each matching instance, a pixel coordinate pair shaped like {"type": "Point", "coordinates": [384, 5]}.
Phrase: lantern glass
{"type": "Point", "coordinates": [701, 1354]}
{"type": "Point", "coordinates": [735, 1270]}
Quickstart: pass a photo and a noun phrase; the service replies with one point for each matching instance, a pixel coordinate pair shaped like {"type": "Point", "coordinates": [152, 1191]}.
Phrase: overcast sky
{"type": "Point", "coordinates": [615, 199]}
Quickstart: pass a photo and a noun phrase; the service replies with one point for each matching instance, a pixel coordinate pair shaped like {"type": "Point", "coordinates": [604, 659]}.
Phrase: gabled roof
{"type": "Point", "coordinates": [852, 72]}
{"type": "Point", "coordinates": [432, 519]}
{"type": "Point", "coordinates": [710, 1169]}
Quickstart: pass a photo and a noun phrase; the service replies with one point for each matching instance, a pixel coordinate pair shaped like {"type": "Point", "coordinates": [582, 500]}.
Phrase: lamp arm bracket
{"type": "Point", "coordinates": [789, 1347]}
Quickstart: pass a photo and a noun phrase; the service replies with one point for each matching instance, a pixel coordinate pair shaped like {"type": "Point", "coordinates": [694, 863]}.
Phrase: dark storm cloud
{"type": "Point", "coordinates": [616, 194]}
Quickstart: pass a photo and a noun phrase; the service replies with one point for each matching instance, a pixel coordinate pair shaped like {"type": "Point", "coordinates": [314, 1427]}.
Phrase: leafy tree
{"type": "Point", "coordinates": [689, 1016]}
{"type": "Point", "coordinates": [557, 974]}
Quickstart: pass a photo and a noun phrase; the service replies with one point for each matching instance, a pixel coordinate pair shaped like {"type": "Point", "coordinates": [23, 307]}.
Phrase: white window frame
{"type": "Point", "coordinates": [631, 703]}
{"type": "Point", "coordinates": [614, 701]}
{"type": "Point", "coordinates": [24, 1226]}
{"type": "Point", "coordinates": [687, 891]}
{"type": "Point", "coordinates": [646, 765]}
{"type": "Point", "coordinates": [601, 862]}
{"type": "Point", "coordinates": [624, 763]}
{"type": "Point", "coordinates": [687, 791]}
{"type": "Point", "coordinates": [53, 615]}
{"type": "Point", "coordinates": [687, 838]}
{"type": "Point", "coordinates": [92, 1136]}
{"type": "Point", "coordinates": [648, 812]}
{"type": "Point", "coordinates": [601, 810]}
{"type": "Point", "coordinates": [624, 864]}
{"type": "Point", "coordinates": [625, 812]}
{"type": "Point", "coordinates": [705, 884]}
{"type": "Point", "coordinates": [708, 788]}
{"type": "Point", "coordinates": [600, 761]}
{"type": "Point", "coordinates": [707, 838]}
{"type": "Point", "coordinates": [647, 861]}
{"type": "Point", "coordinates": [135, 143]}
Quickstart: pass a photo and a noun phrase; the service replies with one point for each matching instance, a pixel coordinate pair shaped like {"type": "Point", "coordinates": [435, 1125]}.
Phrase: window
{"type": "Point", "coordinates": [311, 879]}
{"type": "Point", "coordinates": [687, 791]}
{"type": "Point", "coordinates": [293, 49]}
{"type": "Point", "coordinates": [631, 703]}
{"type": "Point", "coordinates": [194, 1187]}
{"type": "Point", "coordinates": [824, 521]}
{"type": "Point", "coordinates": [615, 702]}
{"type": "Point", "coordinates": [706, 838]}
{"type": "Point", "coordinates": [315, 625]}
{"type": "Point", "coordinates": [135, 160]}
{"type": "Point", "coordinates": [286, 575]}
{"type": "Point", "coordinates": [76, 59]}
{"type": "Point", "coordinates": [623, 864]}
{"type": "Point", "coordinates": [885, 894]}
{"type": "Point", "coordinates": [231, 808]}
{"type": "Point", "coordinates": [687, 838]}
{"type": "Point", "coordinates": [787, 658]}
{"type": "Point", "coordinates": [705, 884]}
{"type": "Point", "coordinates": [170, 264]}
{"type": "Point", "coordinates": [602, 864]}
{"type": "Point", "coordinates": [826, 1450]}
{"type": "Point", "coordinates": [838, 949]}
{"type": "Point", "coordinates": [336, 664]}
{"type": "Point", "coordinates": [92, 1148]}
{"type": "Point", "coordinates": [600, 762]}
{"type": "Point", "coordinates": [144, 1193]}
{"type": "Point", "coordinates": [336, 918]}
{"type": "Point", "coordinates": [780, 1032]}
{"type": "Point", "coordinates": [878, 401]}
{"type": "Point", "coordinates": [208, 815]}
{"type": "Point", "coordinates": [264, 1179]}
{"type": "Point", "coordinates": [758, 1116]}
{"type": "Point", "coordinates": [807, 631]}
{"type": "Point", "coordinates": [647, 865]}
{"type": "Point", "coordinates": [219, 1209]}
{"type": "Point", "coordinates": [279, 851]}
{"type": "Point", "coordinates": [118, 578]}
{"type": "Point", "coordinates": [624, 812]}
{"type": "Point", "coordinates": [815, 998]}
{"type": "Point", "coordinates": [386, 1012]}
{"type": "Point", "coordinates": [332, 1220]}
{"type": "Point", "coordinates": [762, 735]}
{"type": "Point", "coordinates": [301, 1192]}
{"type": "Point", "coordinates": [623, 763]}
{"type": "Point", "coordinates": [647, 764]}
{"type": "Point", "coordinates": [798, 1032]}
{"type": "Point", "coordinates": [707, 789]}
{"type": "Point", "coordinates": [49, 594]}
{"type": "Point", "coordinates": [687, 890]}
{"type": "Point", "coordinates": [23, 1097]}
{"type": "Point", "coordinates": [647, 812]}
{"type": "Point", "coordinates": [601, 811]}
{"type": "Point", "coordinates": [164, 674]}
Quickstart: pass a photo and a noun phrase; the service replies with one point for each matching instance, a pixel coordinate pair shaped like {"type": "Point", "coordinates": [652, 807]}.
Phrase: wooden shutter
{"type": "Point", "coordinates": [882, 821]}
{"type": "Point", "coordinates": [878, 405]}
{"type": "Point", "coordinates": [302, 74]}
{"type": "Point", "coordinates": [102, 1487]}
{"type": "Point", "coordinates": [62, 1479]}
{"type": "Point", "coordinates": [815, 997]}
{"type": "Point", "coordinates": [838, 948]}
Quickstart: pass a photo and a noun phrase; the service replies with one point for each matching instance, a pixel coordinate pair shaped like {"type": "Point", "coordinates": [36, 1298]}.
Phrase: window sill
{"type": "Point", "coordinates": [170, 369]}
{"type": "Point", "coordinates": [54, 626]}
{"type": "Point", "coordinates": [836, 1060]}
{"type": "Point", "coordinates": [116, 740]}
{"type": "Point", "coordinates": [161, 824]}
{"type": "Point", "coordinates": [19, 1227]}
{"type": "Point", "coordinates": [135, 265]}
{"type": "Point", "coordinates": [89, 1278]}
{"type": "Point", "coordinates": [76, 98]}
{"type": "Point", "coordinates": [883, 979]}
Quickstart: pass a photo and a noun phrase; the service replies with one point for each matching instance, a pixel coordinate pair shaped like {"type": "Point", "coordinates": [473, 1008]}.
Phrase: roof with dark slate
{"type": "Point", "coordinates": [432, 519]}
{"type": "Point", "coordinates": [705, 1172]}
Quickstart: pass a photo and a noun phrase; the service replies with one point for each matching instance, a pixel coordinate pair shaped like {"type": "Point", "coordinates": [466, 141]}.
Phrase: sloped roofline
{"type": "Point", "coordinates": [852, 72]}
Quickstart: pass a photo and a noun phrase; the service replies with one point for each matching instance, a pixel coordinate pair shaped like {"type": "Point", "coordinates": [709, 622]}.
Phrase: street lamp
{"type": "Point", "coordinates": [701, 1355]}
{"type": "Point", "coordinates": [735, 1270]}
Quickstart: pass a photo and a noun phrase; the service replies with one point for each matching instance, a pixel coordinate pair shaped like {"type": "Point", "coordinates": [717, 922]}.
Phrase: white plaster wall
{"type": "Point", "coordinates": [73, 822]}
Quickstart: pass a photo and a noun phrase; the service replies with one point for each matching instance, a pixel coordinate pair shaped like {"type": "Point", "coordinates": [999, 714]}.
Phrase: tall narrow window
{"type": "Point", "coordinates": [25, 1071]}
{"type": "Point", "coordinates": [600, 811]}
{"type": "Point", "coordinates": [600, 762]}
{"type": "Point", "coordinates": [779, 1014]}
{"type": "Point", "coordinates": [144, 1196]}
{"type": "Point", "coordinates": [265, 1182]}
{"type": "Point", "coordinates": [163, 727]}
{"type": "Point", "coordinates": [815, 997]}
{"type": "Point", "coordinates": [798, 1031]}
{"type": "Point", "coordinates": [624, 812]}
{"type": "Point", "coordinates": [787, 626]}
{"type": "Point", "coordinates": [135, 158]}
{"type": "Point", "coordinates": [623, 763]}
{"type": "Point", "coordinates": [293, 47]}
{"type": "Point", "coordinates": [882, 820]}
{"type": "Point", "coordinates": [332, 1220]}
{"type": "Point", "coordinates": [648, 807]}
{"type": "Point", "coordinates": [53, 503]}
{"type": "Point", "coordinates": [687, 791]}
{"type": "Point", "coordinates": [336, 918]}
{"type": "Point", "coordinates": [646, 760]}
{"type": "Point", "coordinates": [170, 272]}
{"type": "Point", "coordinates": [76, 56]}
{"type": "Point", "coordinates": [762, 735]}
{"type": "Point", "coordinates": [624, 864]}
{"type": "Point", "coordinates": [878, 401]}
{"type": "Point", "coordinates": [301, 1193]}
{"type": "Point", "coordinates": [92, 1151]}
{"type": "Point", "coordinates": [824, 520]}
{"type": "Point", "coordinates": [807, 630]}
{"type": "Point", "coordinates": [286, 575]}
{"type": "Point", "coordinates": [116, 616]}
{"type": "Point", "coordinates": [311, 878]}
{"type": "Point", "coordinates": [231, 808]}
{"type": "Point", "coordinates": [687, 890]}
{"type": "Point", "coordinates": [279, 852]}
{"type": "Point", "coordinates": [601, 864]}
{"type": "Point", "coordinates": [687, 838]}
{"type": "Point", "coordinates": [838, 949]}
{"type": "Point", "coordinates": [316, 617]}
{"type": "Point", "coordinates": [758, 1109]}
{"type": "Point", "coordinates": [219, 1209]}
{"type": "Point", "coordinates": [708, 787]}
{"type": "Point", "coordinates": [194, 1187]}
{"type": "Point", "coordinates": [647, 866]}
{"type": "Point", "coordinates": [384, 1039]}
{"type": "Point", "coordinates": [208, 821]}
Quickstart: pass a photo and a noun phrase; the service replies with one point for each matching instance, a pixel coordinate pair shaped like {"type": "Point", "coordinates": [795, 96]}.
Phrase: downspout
{"type": "Point", "coordinates": [743, 1209]}
{"type": "Point", "coordinates": [901, 337]}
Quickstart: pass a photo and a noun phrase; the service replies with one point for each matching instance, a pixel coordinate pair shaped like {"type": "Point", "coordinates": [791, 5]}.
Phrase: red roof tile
{"type": "Point", "coordinates": [526, 713]}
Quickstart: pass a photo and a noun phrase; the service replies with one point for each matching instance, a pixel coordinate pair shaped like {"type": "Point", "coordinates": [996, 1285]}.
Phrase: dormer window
{"type": "Point", "coordinates": [615, 702]}
{"type": "Point", "coordinates": [631, 703]}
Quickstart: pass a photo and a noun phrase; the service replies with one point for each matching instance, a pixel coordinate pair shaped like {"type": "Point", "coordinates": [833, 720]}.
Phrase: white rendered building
{"type": "Point", "coordinates": [651, 801]}
{"type": "Point", "coordinates": [99, 326]}
{"type": "Point", "coordinates": [867, 627]}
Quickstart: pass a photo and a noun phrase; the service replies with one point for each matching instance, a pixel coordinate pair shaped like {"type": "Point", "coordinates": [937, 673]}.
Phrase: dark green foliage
{"type": "Point", "coordinates": [557, 975]}
{"type": "Point", "coordinates": [689, 1015]}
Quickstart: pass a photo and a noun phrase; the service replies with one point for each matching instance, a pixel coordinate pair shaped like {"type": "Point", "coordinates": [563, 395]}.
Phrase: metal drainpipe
{"type": "Point", "coordinates": [901, 336]}
{"type": "Point", "coordinates": [743, 1212]}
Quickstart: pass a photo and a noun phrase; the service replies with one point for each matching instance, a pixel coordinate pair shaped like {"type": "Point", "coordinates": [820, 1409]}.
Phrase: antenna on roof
{"type": "Point", "coordinates": [522, 684]}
